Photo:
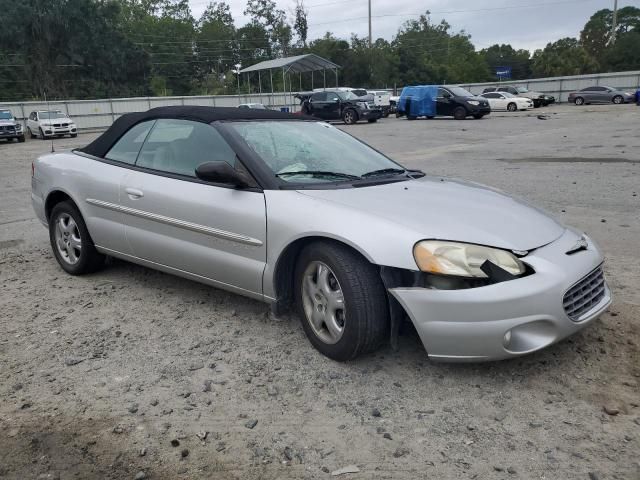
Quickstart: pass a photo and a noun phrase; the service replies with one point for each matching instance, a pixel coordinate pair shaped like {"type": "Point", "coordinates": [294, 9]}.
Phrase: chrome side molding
{"type": "Point", "coordinates": [174, 222]}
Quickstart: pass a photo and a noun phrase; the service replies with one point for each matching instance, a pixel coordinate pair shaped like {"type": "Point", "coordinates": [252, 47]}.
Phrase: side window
{"type": "Point", "coordinates": [332, 97]}
{"type": "Point", "coordinates": [179, 146]}
{"type": "Point", "coordinates": [318, 97]}
{"type": "Point", "coordinates": [442, 92]}
{"type": "Point", "coordinates": [127, 148]}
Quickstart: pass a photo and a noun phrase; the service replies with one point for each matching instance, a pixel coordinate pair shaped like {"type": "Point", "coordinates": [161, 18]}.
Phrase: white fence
{"type": "Point", "coordinates": [560, 87]}
{"type": "Point", "coordinates": [100, 114]}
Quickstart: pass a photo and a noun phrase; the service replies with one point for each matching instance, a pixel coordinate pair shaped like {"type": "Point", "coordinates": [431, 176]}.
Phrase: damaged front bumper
{"type": "Point", "coordinates": [510, 318]}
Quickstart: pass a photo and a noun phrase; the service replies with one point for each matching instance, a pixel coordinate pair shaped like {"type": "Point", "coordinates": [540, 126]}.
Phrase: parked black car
{"type": "Point", "coordinates": [343, 106]}
{"type": "Point", "coordinates": [453, 102]}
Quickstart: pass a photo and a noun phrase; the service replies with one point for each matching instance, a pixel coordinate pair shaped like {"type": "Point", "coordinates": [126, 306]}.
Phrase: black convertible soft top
{"type": "Point", "coordinates": [101, 145]}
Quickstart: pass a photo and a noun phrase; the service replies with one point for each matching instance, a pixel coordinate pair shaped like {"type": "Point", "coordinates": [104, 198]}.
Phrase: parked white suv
{"type": "Point", "coordinates": [50, 123]}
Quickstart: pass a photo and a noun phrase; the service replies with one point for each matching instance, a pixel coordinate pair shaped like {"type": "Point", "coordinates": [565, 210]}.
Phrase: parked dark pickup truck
{"type": "Point", "coordinates": [343, 106]}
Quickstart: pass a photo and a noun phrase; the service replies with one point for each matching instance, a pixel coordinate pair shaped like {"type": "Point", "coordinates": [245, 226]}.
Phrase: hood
{"type": "Point", "coordinates": [449, 209]}
{"type": "Point", "coordinates": [7, 122]}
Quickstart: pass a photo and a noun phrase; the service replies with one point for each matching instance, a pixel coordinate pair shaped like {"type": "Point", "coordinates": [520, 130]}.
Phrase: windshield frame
{"type": "Point", "coordinates": [11, 117]}
{"type": "Point", "coordinates": [267, 179]}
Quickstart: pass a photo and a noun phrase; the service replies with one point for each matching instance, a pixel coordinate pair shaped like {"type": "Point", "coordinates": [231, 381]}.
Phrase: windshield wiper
{"type": "Point", "coordinates": [383, 171]}
{"type": "Point", "coordinates": [320, 173]}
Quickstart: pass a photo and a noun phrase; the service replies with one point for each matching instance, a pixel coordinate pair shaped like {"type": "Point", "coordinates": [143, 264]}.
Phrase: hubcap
{"type": "Point", "coordinates": [68, 240]}
{"type": "Point", "coordinates": [323, 302]}
{"type": "Point", "coordinates": [348, 117]}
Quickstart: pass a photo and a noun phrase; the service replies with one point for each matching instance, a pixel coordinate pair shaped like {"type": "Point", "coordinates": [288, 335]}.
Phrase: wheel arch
{"type": "Point", "coordinates": [282, 277]}
{"type": "Point", "coordinates": [53, 198]}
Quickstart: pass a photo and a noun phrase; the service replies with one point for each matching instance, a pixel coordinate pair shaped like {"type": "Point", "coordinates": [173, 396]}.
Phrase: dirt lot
{"type": "Point", "coordinates": [130, 373]}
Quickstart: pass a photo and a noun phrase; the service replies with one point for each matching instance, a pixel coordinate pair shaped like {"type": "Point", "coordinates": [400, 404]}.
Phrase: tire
{"type": "Point", "coordinates": [618, 100]}
{"type": "Point", "coordinates": [372, 120]}
{"type": "Point", "coordinates": [31, 135]}
{"type": "Point", "coordinates": [21, 139]}
{"type": "Point", "coordinates": [74, 135]}
{"type": "Point", "coordinates": [70, 240]}
{"type": "Point", "coordinates": [349, 116]}
{"type": "Point", "coordinates": [430, 117]}
{"type": "Point", "coordinates": [460, 113]}
{"type": "Point", "coordinates": [411, 117]}
{"type": "Point", "coordinates": [537, 104]}
{"type": "Point", "coordinates": [579, 101]}
{"type": "Point", "coordinates": [41, 134]}
{"type": "Point", "coordinates": [512, 107]}
{"type": "Point", "coordinates": [363, 323]}
{"type": "Point", "coordinates": [478, 116]}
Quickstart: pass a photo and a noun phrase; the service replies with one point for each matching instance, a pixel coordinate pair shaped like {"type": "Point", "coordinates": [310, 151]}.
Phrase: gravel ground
{"type": "Point", "coordinates": [131, 373]}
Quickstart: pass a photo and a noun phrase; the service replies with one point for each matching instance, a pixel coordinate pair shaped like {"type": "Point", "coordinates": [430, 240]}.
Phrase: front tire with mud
{"type": "Point", "coordinates": [341, 300]}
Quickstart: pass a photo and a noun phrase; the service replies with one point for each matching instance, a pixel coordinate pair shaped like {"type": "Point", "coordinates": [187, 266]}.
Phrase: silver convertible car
{"type": "Point", "coordinates": [299, 214]}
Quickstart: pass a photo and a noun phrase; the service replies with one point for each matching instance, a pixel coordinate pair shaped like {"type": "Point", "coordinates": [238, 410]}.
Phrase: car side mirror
{"type": "Point", "coordinates": [221, 172]}
{"type": "Point", "coordinates": [446, 95]}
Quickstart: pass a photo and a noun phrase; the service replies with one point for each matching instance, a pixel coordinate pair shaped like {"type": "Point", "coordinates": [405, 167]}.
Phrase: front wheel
{"type": "Point", "coordinates": [460, 113]}
{"type": "Point", "coordinates": [512, 107]}
{"type": "Point", "coordinates": [341, 300]}
{"type": "Point", "coordinates": [372, 120]}
{"type": "Point", "coordinates": [478, 116]}
{"type": "Point", "coordinates": [42, 137]}
{"type": "Point", "coordinates": [618, 99]}
{"type": "Point", "coordinates": [74, 135]}
{"type": "Point", "coordinates": [349, 117]}
{"type": "Point", "coordinates": [21, 139]}
{"type": "Point", "coordinates": [70, 240]}
{"type": "Point", "coordinates": [579, 101]}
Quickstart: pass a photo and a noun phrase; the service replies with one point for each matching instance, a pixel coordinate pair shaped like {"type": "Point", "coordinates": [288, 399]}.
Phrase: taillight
{"type": "Point", "coordinates": [33, 170]}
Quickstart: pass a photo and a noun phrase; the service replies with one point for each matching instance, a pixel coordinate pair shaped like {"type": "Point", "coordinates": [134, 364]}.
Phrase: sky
{"type": "Point", "coordinates": [528, 24]}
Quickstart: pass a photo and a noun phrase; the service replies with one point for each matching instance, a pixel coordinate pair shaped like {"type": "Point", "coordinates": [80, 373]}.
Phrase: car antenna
{"type": "Point", "coordinates": [49, 109]}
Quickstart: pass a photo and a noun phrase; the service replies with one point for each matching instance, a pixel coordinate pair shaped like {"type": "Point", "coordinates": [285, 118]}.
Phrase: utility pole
{"type": "Point", "coordinates": [614, 24]}
{"type": "Point", "coordinates": [370, 23]}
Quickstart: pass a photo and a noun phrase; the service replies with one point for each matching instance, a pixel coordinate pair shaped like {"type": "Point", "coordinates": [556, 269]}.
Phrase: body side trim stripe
{"type": "Point", "coordinates": [174, 222]}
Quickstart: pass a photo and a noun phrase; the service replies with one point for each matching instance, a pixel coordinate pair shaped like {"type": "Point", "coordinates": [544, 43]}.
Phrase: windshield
{"type": "Point", "coordinates": [359, 92]}
{"type": "Point", "coordinates": [521, 90]}
{"type": "Point", "coordinates": [508, 95]}
{"type": "Point", "coordinates": [460, 92]}
{"type": "Point", "coordinates": [290, 148]}
{"type": "Point", "coordinates": [5, 115]}
{"type": "Point", "coordinates": [51, 115]}
{"type": "Point", "coordinates": [347, 95]}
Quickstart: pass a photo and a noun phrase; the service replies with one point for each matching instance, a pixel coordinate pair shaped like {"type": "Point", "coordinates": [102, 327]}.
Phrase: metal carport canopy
{"type": "Point", "coordinates": [298, 64]}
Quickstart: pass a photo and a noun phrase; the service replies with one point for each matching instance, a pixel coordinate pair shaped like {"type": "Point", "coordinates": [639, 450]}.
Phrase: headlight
{"type": "Point", "coordinates": [18, 126]}
{"type": "Point", "coordinates": [473, 102]}
{"type": "Point", "coordinates": [462, 259]}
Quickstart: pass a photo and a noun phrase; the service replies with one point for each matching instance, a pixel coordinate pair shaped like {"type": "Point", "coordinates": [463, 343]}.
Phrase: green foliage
{"type": "Point", "coordinates": [118, 48]}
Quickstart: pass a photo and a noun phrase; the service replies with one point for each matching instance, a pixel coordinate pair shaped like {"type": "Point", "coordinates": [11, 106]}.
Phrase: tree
{"type": "Point", "coordinates": [216, 45]}
{"type": "Point", "coordinates": [624, 54]}
{"type": "Point", "coordinates": [266, 14]}
{"type": "Point", "coordinates": [596, 35]}
{"type": "Point", "coordinates": [564, 57]}
{"type": "Point", "coordinates": [507, 56]}
{"type": "Point", "coordinates": [300, 25]}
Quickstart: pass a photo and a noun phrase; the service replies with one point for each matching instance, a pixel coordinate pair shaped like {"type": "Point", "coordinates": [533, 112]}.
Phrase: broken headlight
{"type": "Point", "coordinates": [463, 259]}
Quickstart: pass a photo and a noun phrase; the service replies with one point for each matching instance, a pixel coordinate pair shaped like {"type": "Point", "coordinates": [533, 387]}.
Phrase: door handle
{"type": "Point", "coordinates": [134, 192]}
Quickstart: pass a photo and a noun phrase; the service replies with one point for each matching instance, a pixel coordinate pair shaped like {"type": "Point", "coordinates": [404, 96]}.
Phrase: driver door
{"type": "Point", "coordinates": [176, 221]}
{"type": "Point", "coordinates": [444, 102]}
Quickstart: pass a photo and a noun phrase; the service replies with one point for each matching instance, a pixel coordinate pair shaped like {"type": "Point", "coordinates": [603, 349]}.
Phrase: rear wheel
{"type": "Point", "coordinates": [460, 113]}
{"type": "Point", "coordinates": [372, 120]}
{"type": "Point", "coordinates": [70, 240]}
{"type": "Point", "coordinates": [618, 99]}
{"type": "Point", "coordinates": [579, 101]}
{"type": "Point", "coordinates": [512, 107]}
{"type": "Point", "coordinates": [41, 134]}
{"type": "Point", "coordinates": [341, 301]}
{"type": "Point", "coordinates": [349, 117]}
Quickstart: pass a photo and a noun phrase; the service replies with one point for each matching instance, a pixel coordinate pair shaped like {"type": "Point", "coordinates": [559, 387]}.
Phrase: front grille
{"type": "Point", "coordinates": [56, 124]}
{"type": "Point", "coordinates": [65, 124]}
{"type": "Point", "coordinates": [584, 295]}
{"type": "Point", "coordinates": [8, 128]}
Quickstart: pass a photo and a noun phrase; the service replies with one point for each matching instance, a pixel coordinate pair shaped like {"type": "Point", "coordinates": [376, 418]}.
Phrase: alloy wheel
{"type": "Point", "coordinates": [68, 241]}
{"type": "Point", "coordinates": [323, 302]}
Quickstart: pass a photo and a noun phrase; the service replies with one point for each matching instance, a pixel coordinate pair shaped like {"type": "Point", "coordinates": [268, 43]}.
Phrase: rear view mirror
{"type": "Point", "coordinates": [221, 172]}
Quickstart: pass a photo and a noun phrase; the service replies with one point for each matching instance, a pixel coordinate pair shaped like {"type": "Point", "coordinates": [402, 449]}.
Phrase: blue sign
{"type": "Point", "coordinates": [503, 72]}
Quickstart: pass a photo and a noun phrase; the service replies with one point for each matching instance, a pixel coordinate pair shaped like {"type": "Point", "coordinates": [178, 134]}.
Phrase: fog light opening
{"type": "Point", "coordinates": [507, 339]}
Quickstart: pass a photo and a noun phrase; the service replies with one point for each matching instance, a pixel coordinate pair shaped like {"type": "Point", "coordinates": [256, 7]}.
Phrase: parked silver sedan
{"type": "Point", "coordinates": [301, 215]}
{"type": "Point", "coordinates": [600, 94]}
